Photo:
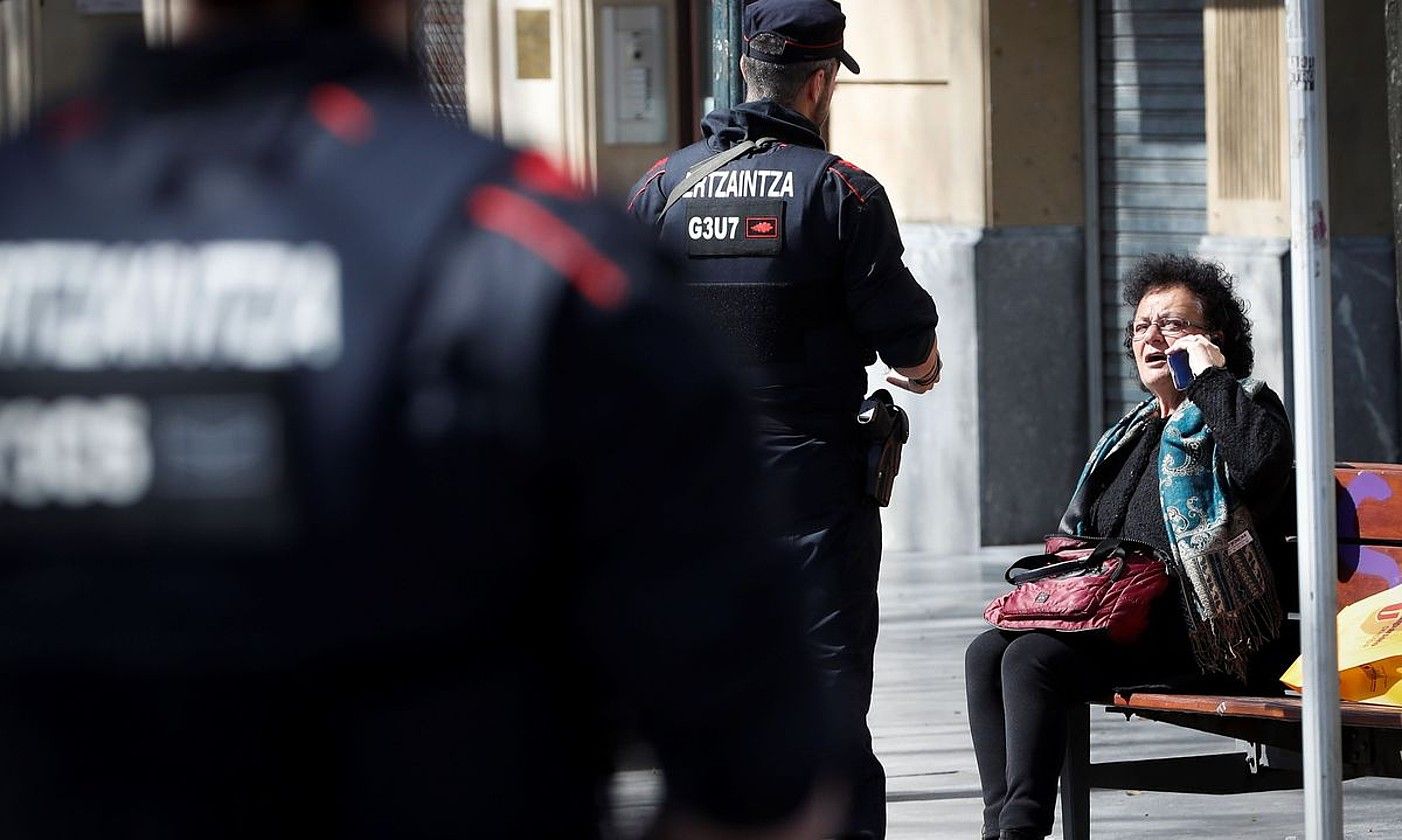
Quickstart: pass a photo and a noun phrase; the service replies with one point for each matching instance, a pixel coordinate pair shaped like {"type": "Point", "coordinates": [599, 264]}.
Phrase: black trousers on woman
{"type": "Point", "coordinates": [1021, 687]}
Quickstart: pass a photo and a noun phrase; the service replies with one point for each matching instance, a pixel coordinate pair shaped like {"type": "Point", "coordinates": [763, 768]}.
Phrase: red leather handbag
{"type": "Point", "coordinates": [1082, 584]}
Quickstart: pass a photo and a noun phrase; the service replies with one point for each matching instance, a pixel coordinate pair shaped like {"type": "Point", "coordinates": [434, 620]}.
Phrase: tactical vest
{"type": "Point", "coordinates": [765, 263]}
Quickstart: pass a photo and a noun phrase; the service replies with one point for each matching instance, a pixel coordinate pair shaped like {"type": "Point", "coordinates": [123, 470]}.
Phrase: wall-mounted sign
{"type": "Point", "coordinates": [634, 90]}
{"type": "Point", "coordinates": [532, 43]}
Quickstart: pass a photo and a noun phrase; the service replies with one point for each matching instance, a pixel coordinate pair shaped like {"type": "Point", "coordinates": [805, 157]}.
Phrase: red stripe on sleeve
{"type": "Point", "coordinates": [834, 171]}
{"type": "Point", "coordinates": [72, 122]}
{"type": "Point", "coordinates": [342, 112]}
{"type": "Point", "coordinates": [544, 234]}
{"type": "Point", "coordinates": [535, 171]}
{"type": "Point", "coordinates": [639, 194]}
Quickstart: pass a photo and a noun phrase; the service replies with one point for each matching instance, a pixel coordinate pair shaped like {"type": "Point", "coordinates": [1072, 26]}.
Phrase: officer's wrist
{"type": "Point", "coordinates": [930, 378]}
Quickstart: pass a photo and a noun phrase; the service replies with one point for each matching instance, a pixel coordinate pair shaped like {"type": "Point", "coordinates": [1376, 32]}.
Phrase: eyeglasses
{"type": "Point", "coordinates": [1169, 327]}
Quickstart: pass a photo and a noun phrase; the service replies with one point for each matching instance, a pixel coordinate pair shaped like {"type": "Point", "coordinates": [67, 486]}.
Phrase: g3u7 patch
{"type": "Point", "coordinates": [719, 227]}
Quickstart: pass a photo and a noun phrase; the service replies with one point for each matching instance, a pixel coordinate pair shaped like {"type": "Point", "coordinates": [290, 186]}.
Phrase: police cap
{"type": "Point", "coordinates": [808, 30]}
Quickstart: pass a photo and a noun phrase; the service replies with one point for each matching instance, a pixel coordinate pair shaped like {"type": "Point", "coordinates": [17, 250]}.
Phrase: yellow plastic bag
{"type": "Point", "coordinates": [1370, 651]}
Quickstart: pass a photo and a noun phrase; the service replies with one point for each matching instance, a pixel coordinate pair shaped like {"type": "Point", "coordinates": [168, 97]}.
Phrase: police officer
{"type": "Point", "coordinates": [358, 478]}
{"type": "Point", "coordinates": [796, 255]}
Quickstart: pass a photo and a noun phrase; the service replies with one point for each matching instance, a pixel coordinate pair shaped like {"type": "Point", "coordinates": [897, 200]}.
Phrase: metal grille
{"type": "Point", "coordinates": [438, 31]}
{"type": "Point", "coordinates": [1153, 156]}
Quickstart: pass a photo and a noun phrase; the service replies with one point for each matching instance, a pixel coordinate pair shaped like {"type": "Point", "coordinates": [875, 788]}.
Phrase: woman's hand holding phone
{"type": "Point", "coordinates": [1190, 355]}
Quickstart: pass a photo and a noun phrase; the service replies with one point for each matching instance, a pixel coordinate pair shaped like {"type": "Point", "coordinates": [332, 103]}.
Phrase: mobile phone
{"type": "Point", "coordinates": [1178, 366]}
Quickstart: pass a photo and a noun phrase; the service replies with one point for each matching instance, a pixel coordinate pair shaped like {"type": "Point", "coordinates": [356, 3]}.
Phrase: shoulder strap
{"type": "Point", "coordinates": [709, 165]}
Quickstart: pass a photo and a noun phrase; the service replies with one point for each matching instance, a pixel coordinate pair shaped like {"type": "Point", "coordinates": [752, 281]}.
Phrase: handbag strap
{"type": "Point", "coordinates": [1033, 570]}
{"type": "Point", "coordinates": [709, 165]}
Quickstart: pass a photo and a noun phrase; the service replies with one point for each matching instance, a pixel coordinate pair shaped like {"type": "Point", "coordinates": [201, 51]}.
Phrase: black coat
{"type": "Point", "coordinates": [318, 381]}
{"type": "Point", "coordinates": [1252, 435]}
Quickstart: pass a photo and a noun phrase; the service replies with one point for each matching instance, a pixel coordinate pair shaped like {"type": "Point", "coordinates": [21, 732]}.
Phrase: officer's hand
{"type": "Point", "coordinates": [902, 378]}
{"type": "Point", "coordinates": [908, 384]}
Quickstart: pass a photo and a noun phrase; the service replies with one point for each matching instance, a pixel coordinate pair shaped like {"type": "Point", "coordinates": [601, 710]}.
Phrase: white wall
{"type": "Point", "coordinates": [530, 111]}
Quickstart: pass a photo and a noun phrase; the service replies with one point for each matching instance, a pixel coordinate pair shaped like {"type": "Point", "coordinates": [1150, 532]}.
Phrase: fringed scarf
{"type": "Point", "coordinates": [1228, 591]}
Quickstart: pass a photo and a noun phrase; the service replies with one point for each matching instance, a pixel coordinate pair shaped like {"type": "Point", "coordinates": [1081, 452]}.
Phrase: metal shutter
{"type": "Point", "coordinates": [438, 35]}
{"type": "Point", "coordinates": [1153, 156]}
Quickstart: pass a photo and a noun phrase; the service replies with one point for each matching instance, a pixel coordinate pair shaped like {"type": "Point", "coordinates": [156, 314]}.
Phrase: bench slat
{"type": "Point", "coordinates": [1369, 502]}
{"type": "Point", "coordinates": [1266, 708]}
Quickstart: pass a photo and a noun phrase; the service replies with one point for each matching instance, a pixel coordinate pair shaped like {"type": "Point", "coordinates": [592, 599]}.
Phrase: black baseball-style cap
{"type": "Point", "coordinates": [810, 30]}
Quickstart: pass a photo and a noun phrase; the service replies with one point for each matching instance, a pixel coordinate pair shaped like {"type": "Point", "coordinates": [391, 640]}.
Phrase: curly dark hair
{"type": "Point", "coordinates": [1212, 285]}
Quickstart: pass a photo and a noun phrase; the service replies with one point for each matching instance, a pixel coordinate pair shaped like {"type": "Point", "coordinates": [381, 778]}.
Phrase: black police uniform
{"type": "Point", "coordinates": [795, 254]}
{"type": "Point", "coordinates": [359, 479]}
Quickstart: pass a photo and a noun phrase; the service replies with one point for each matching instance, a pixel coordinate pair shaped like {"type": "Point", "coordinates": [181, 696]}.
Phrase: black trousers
{"type": "Point", "coordinates": [1021, 688]}
{"type": "Point", "coordinates": [817, 464]}
{"type": "Point", "coordinates": [842, 561]}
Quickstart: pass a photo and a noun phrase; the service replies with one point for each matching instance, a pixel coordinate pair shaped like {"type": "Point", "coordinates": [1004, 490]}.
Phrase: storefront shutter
{"type": "Point", "coordinates": [1153, 156]}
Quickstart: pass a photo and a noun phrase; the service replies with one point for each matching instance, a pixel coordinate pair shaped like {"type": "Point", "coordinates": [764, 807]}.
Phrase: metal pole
{"type": "Point", "coordinates": [1090, 163]}
{"type": "Point", "coordinates": [7, 50]}
{"type": "Point", "coordinates": [19, 76]}
{"type": "Point", "coordinates": [157, 17]}
{"type": "Point", "coordinates": [1392, 22]}
{"type": "Point", "coordinates": [1314, 417]}
{"type": "Point", "coordinates": [728, 87]}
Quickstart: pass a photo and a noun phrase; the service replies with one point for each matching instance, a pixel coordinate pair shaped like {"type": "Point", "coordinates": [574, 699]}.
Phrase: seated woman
{"type": "Point", "coordinates": [1177, 473]}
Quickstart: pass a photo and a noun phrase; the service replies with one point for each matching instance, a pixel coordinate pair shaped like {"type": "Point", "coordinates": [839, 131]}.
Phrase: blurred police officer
{"type": "Point", "coordinates": [359, 479]}
{"type": "Point", "coordinates": [796, 255]}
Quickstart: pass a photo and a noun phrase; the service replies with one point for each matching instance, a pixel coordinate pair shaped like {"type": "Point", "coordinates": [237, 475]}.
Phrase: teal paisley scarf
{"type": "Point", "coordinates": [1228, 591]}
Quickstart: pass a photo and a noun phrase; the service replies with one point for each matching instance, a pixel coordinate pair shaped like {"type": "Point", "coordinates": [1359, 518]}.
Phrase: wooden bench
{"type": "Point", "coordinates": [1370, 561]}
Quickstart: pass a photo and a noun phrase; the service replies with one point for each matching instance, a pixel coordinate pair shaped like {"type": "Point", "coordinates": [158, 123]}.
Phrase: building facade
{"type": "Point", "coordinates": [1032, 149]}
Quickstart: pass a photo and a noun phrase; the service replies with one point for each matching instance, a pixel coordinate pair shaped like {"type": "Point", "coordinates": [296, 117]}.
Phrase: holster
{"type": "Point", "coordinates": [887, 427]}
